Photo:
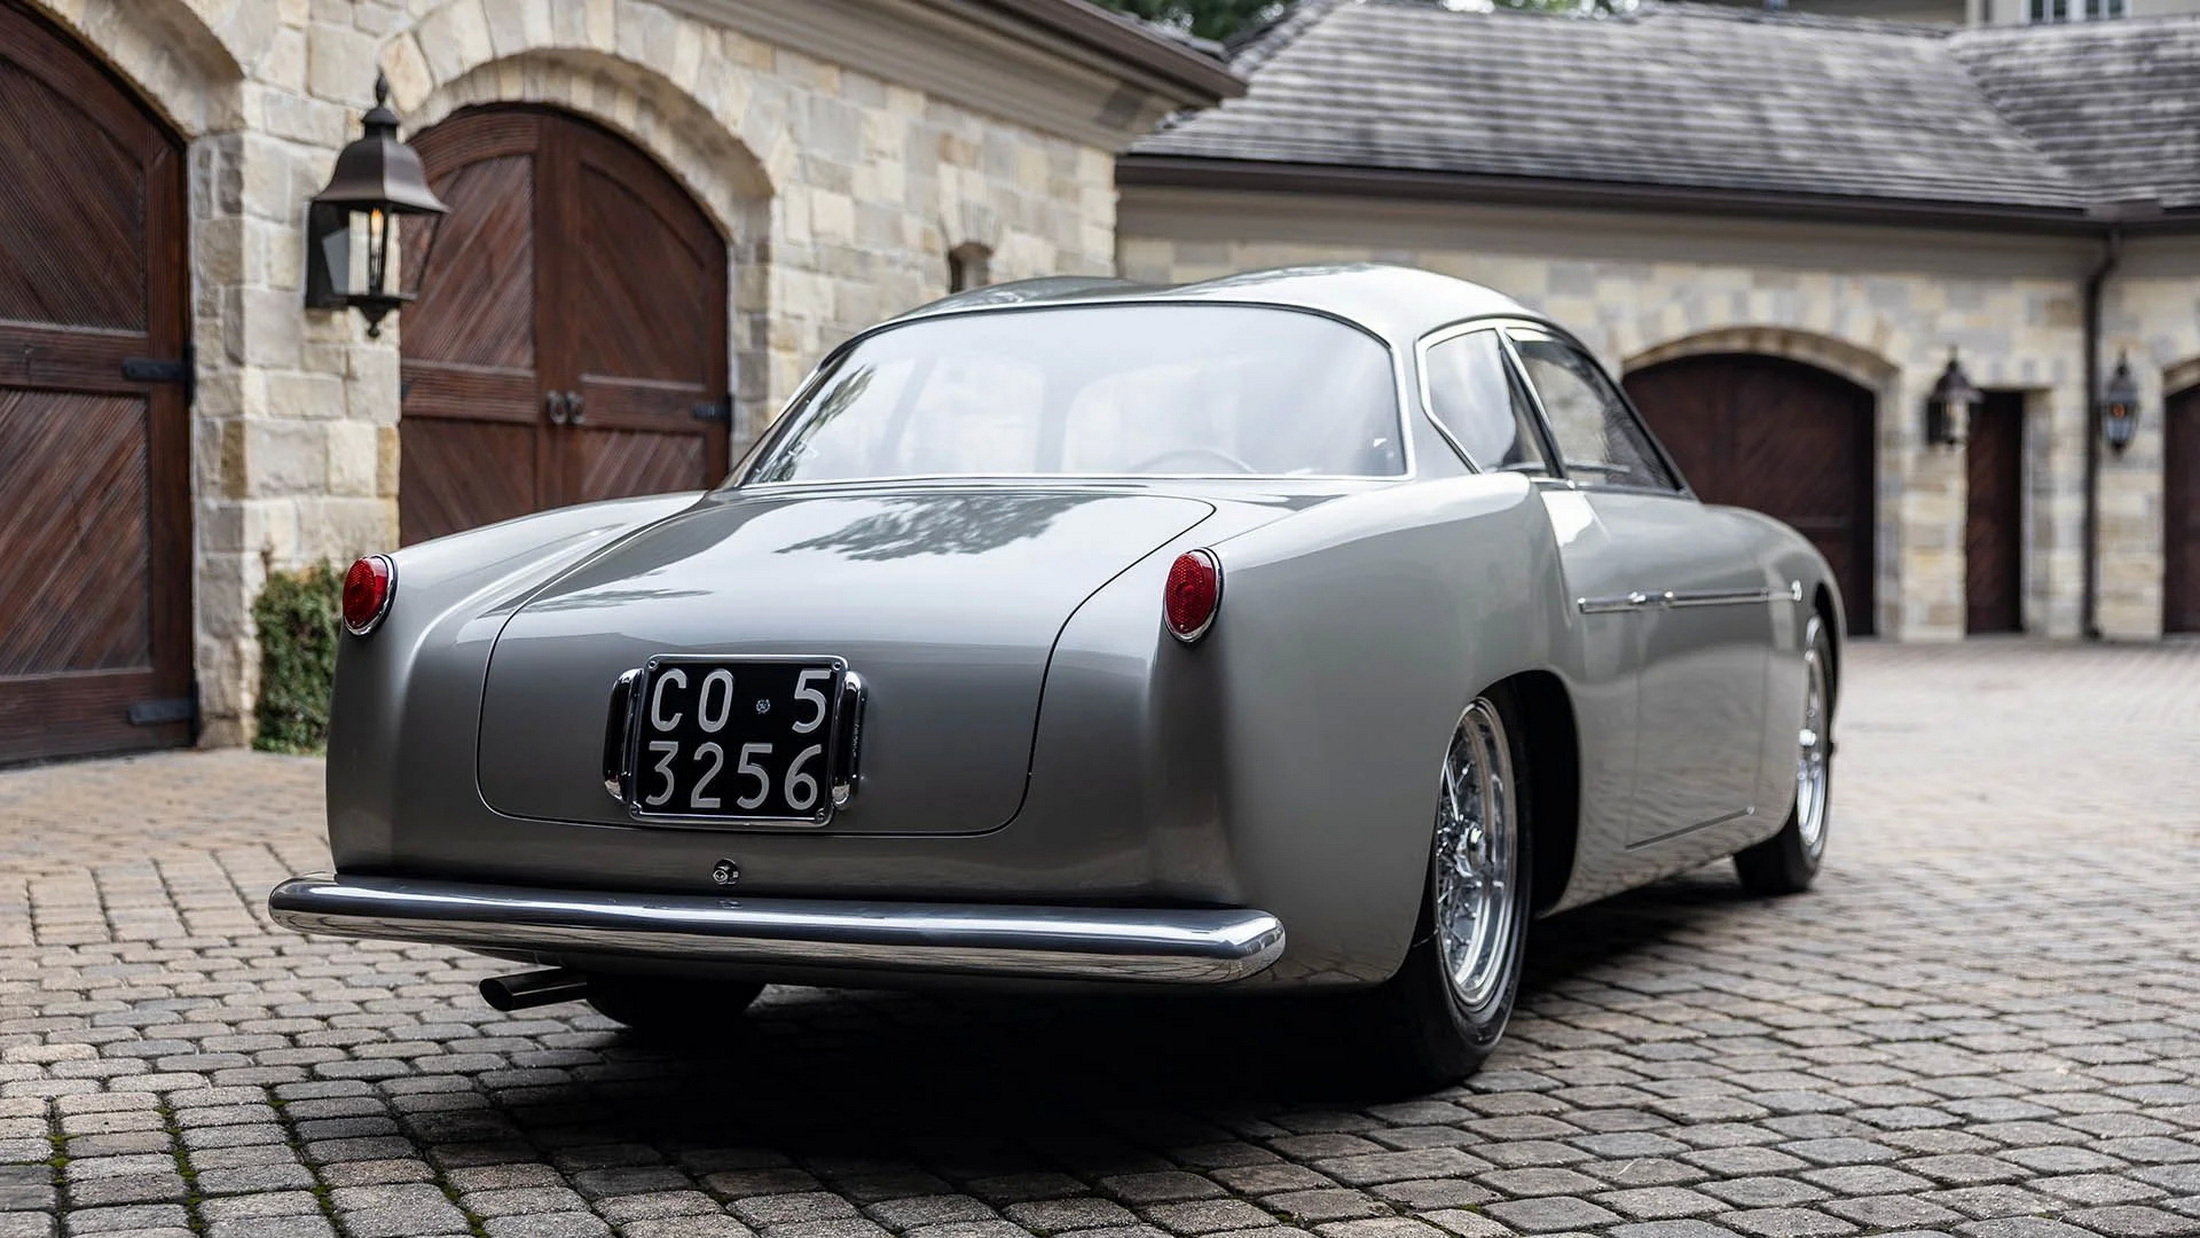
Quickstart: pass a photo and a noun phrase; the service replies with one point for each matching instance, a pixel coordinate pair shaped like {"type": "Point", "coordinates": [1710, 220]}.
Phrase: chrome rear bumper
{"type": "Point", "coordinates": [1167, 946]}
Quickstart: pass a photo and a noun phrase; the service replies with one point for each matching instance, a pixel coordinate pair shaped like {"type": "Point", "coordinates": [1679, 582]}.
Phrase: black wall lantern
{"type": "Point", "coordinates": [1948, 408]}
{"type": "Point", "coordinates": [377, 179]}
{"type": "Point", "coordinates": [2120, 407]}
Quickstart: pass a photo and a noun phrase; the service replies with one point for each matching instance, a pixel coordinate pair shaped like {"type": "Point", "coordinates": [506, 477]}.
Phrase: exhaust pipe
{"type": "Point", "coordinates": [534, 988]}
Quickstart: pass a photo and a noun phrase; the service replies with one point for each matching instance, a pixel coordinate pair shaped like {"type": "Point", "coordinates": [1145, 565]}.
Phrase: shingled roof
{"type": "Point", "coordinates": [2045, 122]}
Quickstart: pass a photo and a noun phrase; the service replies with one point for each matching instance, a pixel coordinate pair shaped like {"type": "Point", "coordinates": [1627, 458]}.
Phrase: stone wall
{"type": "Point", "coordinates": [840, 191]}
{"type": "Point", "coordinates": [1880, 306]}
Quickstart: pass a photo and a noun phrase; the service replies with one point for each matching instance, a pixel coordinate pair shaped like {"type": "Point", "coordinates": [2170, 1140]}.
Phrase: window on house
{"type": "Point", "coordinates": [969, 265]}
{"type": "Point", "coordinates": [2048, 11]}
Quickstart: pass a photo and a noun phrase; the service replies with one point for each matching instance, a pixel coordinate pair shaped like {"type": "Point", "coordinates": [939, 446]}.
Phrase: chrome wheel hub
{"type": "Point", "coordinates": [1477, 914]}
{"type": "Point", "coordinates": [1813, 758]}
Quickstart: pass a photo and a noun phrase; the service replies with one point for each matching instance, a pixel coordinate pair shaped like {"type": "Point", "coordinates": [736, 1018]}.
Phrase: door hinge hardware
{"type": "Point", "coordinates": [158, 713]}
{"type": "Point", "coordinates": [182, 371]}
{"type": "Point", "coordinates": [719, 410]}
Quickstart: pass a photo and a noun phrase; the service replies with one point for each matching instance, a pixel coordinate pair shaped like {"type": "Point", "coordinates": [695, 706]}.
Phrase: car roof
{"type": "Point", "coordinates": [1397, 303]}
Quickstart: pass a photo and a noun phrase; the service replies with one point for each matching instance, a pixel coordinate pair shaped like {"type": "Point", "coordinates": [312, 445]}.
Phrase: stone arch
{"type": "Point", "coordinates": [1854, 362]}
{"type": "Point", "coordinates": [2178, 377]}
{"type": "Point", "coordinates": [172, 56]}
{"type": "Point", "coordinates": [1861, 367]}
{"type": "Point", "coordinates": [644, 104]}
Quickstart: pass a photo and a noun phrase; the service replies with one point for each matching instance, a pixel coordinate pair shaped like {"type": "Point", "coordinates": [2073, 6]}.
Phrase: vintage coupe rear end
{"type": "Point", "coordinates": [1077, 633]}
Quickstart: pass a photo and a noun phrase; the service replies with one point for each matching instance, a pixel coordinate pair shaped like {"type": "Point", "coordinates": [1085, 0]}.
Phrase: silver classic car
{"type": "Point", "coordinates": [1307, 631]}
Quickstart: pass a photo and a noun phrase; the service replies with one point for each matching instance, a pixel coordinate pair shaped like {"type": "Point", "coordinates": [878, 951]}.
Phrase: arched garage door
{"type": "Point", "coordinates": [2181, 514]}
{"type": "Point", "coordinates": [1778, 436]}
{"type": "Point", "coordinates": [569, 343]}
{"type": "Point", "coordinates": [95, 535]}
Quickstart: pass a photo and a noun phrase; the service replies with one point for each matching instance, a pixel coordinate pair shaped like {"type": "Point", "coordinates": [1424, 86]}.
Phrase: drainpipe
{"type": "Point", "coordinates": [2112, 248]}
{"type": "Point", "coordinates": [2112, 216]}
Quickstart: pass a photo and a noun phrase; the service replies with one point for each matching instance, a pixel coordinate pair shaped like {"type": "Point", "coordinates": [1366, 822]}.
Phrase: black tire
{"type": "Point", "coordinates": [669, 1008]}
{"type": "Point", "coordinates": [1415, 1033]}
{"type": "Point", "coordinates": [1787, 862]}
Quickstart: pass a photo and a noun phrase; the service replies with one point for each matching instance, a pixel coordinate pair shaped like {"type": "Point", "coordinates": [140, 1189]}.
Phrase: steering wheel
{"type": "Point", "coordinates": [1207, 453]}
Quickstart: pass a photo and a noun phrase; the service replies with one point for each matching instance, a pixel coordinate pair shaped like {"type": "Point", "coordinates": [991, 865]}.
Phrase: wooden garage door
{"type": "Point", "coordinates": [569, 343]}
{"type": "Point", "coordinates": [95, 545]}
{"type": "Point", "coordinates": [2181, 514]}
{"type": "Point", "coordinates": [1784, 438]}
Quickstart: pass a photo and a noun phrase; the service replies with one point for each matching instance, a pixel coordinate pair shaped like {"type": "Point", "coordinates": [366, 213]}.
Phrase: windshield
{"type": "Point", "coordinates": [1112, 390]}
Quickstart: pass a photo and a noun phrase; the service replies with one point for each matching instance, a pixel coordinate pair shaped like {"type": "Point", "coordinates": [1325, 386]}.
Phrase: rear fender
{"type": "Point", "coordinates": [408, 696]}
{"type": "Point", "coordinates": [1350, 640]}
{"type": "Point", "coordinates": [1790, 562]}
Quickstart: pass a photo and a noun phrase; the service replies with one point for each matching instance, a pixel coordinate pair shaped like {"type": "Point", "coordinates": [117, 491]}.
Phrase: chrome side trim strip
{"type": "Point", "coordinates": [1158, 945]}
{"type": "Point", "coordinates": [1682, 599]}
{"type": "Point", "coordinates": [1611, 605]}
{"type": "Point", "coordinates": [1717, 597]}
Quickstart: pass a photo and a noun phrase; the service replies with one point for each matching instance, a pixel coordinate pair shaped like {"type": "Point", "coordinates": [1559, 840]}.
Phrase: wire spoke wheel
{"type": "Point", "coordinates": [1477, 850]}
{"type": "Point", "coordinates": [1813, 758]}
{"type": "Point", "coordinates": [1787, 862]}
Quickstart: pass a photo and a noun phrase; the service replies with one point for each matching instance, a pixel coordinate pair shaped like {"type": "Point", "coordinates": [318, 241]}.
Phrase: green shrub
{"type": "Point", "coordinates": [298, 614]}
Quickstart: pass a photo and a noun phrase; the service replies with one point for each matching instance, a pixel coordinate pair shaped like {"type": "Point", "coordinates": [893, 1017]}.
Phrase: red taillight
{"type": "Point", "coordinates": [1193, 594]}
{"type": "Point", "coordinates": [367, 589]}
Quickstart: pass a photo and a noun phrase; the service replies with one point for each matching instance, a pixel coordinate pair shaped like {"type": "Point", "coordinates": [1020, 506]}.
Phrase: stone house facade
{"type": "Point", "coordinates": [1714, 199]}
{"type": "Point", "coordinates": [838, 151]}
{"type": "Point", "coordinates": [673, 207]}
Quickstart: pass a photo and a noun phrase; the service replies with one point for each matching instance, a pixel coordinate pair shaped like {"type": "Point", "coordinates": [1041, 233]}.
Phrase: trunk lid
{"type": "Point", "coordinates": [947, 601]}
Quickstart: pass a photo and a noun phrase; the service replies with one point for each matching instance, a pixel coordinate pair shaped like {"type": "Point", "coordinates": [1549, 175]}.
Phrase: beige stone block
{"type": "Point", "coordinates": [647, 34]}
{"type": "Point", "coordinates": [687, 56]}
{"type": "Point", "coordinates": [354, 459]}
{"type": "Point", "coordinates": [284, 456]}
{"type": "Point", "coordinates": [601, 19]}
{"type": "Point", "coordinates": [317, 356]}
{"type": "Point", "coordinates": [275, 255]}
{"type": "Point", "coordinates": [226, 585]}
{"type": "Point", "coordinates": [224, 699]}
{"type": "Point", "coordinates": [267, 171]}
{"type": "Point", "coordinates": [407, 67]}
{"type": "Point", "coordinates": [340, 64]}
{"type": "Point", "coordinates": [271, 530]}
{"type": "Point", "coordinates": [373, 388]}
{"type": "Point", "coordinates": [517, 25]}
{"type": "Point", "coordinates": [218, 250]}
{"type": "Point", "coordinates": [340, 529]}
{"type": "Point", "coordinates": [269, 326]}
{"type": "Point", "coordinates": [283, 64]}
{"type": "Point", "coordinates": [455, 38]}
{"type": "Point", "coordinates": [217, 449]}
{"type": "Point", "coordinates": [306, 396]}
{"type": "Point", "coordinates": [388, 447]}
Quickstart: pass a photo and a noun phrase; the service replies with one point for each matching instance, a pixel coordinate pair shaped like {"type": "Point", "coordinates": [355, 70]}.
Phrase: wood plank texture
{"type": "Point", "coordinates": [1993, 527]}
{"type": "Point", "coordinates": [471, 437]}
{"type": "Point", "coordinates": [570, 264]}
{"type": "Point", "coordinates": [1780, 437]}
{"type": "Point", "coordinates": [2181, 513]}
{"type": "Point", "coordinates": [95, 536]}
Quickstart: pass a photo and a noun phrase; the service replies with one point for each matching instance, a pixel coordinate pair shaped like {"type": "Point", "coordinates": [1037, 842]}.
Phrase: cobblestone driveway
{"type": "Point", "coordinates": [1986, 1021]}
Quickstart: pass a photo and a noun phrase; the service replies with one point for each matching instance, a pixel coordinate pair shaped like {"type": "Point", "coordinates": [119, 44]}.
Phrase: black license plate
{"type": "Point", "coordinates": [737, 739]}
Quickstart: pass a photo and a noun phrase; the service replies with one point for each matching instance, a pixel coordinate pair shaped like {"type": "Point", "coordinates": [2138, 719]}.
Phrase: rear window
{"type": "Point", "coordinates": [1112, 390]}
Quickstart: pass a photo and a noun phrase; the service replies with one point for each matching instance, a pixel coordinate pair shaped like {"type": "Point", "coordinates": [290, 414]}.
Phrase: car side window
{"type": "Point", "coordinates": [1472, 393]}
{"type": "Point", "coordinates": [1596, 432]}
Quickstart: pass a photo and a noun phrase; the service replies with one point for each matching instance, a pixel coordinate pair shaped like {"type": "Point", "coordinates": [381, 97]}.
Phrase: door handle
{"type": "Point", "coordinates": [554, 404]}
{"type": "Point", "coordinates": [577, 407]}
